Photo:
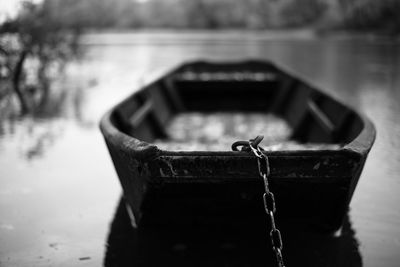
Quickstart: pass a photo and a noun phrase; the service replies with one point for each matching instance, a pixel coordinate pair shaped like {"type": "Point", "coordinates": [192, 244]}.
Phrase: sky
{"type": "Point", "coordinates": [9, 8]}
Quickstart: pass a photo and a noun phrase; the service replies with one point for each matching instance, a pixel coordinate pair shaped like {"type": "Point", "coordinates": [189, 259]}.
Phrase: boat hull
{"type": "Point", "coordinates": [312, 187]}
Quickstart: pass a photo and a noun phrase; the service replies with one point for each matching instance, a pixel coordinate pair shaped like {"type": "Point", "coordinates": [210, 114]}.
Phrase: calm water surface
{"type": "Point", "coordinates": [59, 192]}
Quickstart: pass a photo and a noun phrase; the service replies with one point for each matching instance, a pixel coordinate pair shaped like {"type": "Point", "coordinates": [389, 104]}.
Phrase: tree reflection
{"type": "Point", "coordinates": [35, 46]}
{"type": "Point", "coordinates": [35, 132]}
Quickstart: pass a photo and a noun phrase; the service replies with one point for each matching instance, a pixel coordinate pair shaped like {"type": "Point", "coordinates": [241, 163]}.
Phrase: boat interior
{"type": "Point", "coordinates": [249, 88]}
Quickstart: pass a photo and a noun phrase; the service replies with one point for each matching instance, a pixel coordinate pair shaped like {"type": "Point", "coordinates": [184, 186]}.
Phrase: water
{"type": "Point", "coordinates": [193, 131]}
{"type": "Point", "coordinates": [59, 192]}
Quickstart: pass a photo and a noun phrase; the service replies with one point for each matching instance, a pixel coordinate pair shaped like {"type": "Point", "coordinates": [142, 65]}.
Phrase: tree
{"type": "Point", "coordinates": [38, 34]}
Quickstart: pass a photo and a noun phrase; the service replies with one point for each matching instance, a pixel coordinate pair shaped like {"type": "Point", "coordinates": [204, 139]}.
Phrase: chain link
{"type": "Point", "coordinates": [268, 196]}
{"type": "Point", "coordinates": [269, 202]}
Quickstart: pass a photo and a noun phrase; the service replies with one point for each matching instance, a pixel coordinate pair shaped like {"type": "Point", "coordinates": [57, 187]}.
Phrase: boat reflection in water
{"type": "Point", "coordinates": [225, 245]}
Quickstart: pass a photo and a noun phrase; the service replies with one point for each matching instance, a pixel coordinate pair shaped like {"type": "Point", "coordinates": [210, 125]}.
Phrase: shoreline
{"type": "Point", "coordinates": [193, 36]}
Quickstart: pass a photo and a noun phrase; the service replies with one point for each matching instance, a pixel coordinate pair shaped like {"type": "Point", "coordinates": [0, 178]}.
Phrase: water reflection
{"type": "Point", "coordinates": [58, 185]}
{"type": "Point", "coordinates": [35, 132]}
{"type": "Point", "coordinates": [225, 245]}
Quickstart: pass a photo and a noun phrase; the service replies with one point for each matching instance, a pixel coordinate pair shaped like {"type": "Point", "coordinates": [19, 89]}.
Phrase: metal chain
{"type": "Point", "coordinates": [268, 197]}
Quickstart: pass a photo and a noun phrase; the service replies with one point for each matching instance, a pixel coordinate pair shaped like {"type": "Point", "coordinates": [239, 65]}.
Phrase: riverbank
{"type": "Point", "coordinates": [233, 36]}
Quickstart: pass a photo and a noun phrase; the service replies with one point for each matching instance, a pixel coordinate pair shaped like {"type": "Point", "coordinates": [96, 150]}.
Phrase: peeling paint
{"type": "Point", "coordinates": [170, 167]}
{"type": "Point", "coordinates": [162, 174]}
{"type": "Point", "coordinates": [316, 166]}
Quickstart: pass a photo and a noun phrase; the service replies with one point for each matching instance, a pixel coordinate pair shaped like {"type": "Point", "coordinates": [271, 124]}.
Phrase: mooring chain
{"type": "Point", "coordinates": [268, 197]}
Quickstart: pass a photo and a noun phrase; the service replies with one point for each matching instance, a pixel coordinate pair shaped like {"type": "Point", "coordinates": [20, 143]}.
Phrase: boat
{"type": "Point", "coordinates": [314, 169]}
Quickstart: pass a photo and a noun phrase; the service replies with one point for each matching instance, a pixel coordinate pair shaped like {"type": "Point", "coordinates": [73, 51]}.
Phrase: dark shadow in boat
{"type": "Point", "coordinates": [226, 245]}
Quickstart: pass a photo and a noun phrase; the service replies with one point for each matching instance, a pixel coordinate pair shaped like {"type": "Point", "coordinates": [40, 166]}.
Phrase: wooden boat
{"type": "Point", "coordinates": [313, 185]}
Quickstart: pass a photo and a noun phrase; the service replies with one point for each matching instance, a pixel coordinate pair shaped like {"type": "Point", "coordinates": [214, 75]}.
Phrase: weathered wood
{"type": "Point", "coordinates": [189, 167]}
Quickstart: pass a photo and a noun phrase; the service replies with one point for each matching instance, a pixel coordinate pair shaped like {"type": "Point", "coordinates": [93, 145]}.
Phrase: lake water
{"type": "Point", "coordinates": [59, 192]}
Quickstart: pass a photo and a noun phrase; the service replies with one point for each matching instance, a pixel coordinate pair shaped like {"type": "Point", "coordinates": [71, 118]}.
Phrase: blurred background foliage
{"type": "Point", "coordinates": [43, 36]}
{"type": "Point", "coordinates": [34, 48]}
{"type": "Point", "coordinates": [374, 15]}
{"type": "Point", "coordinates": [222, 14]}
